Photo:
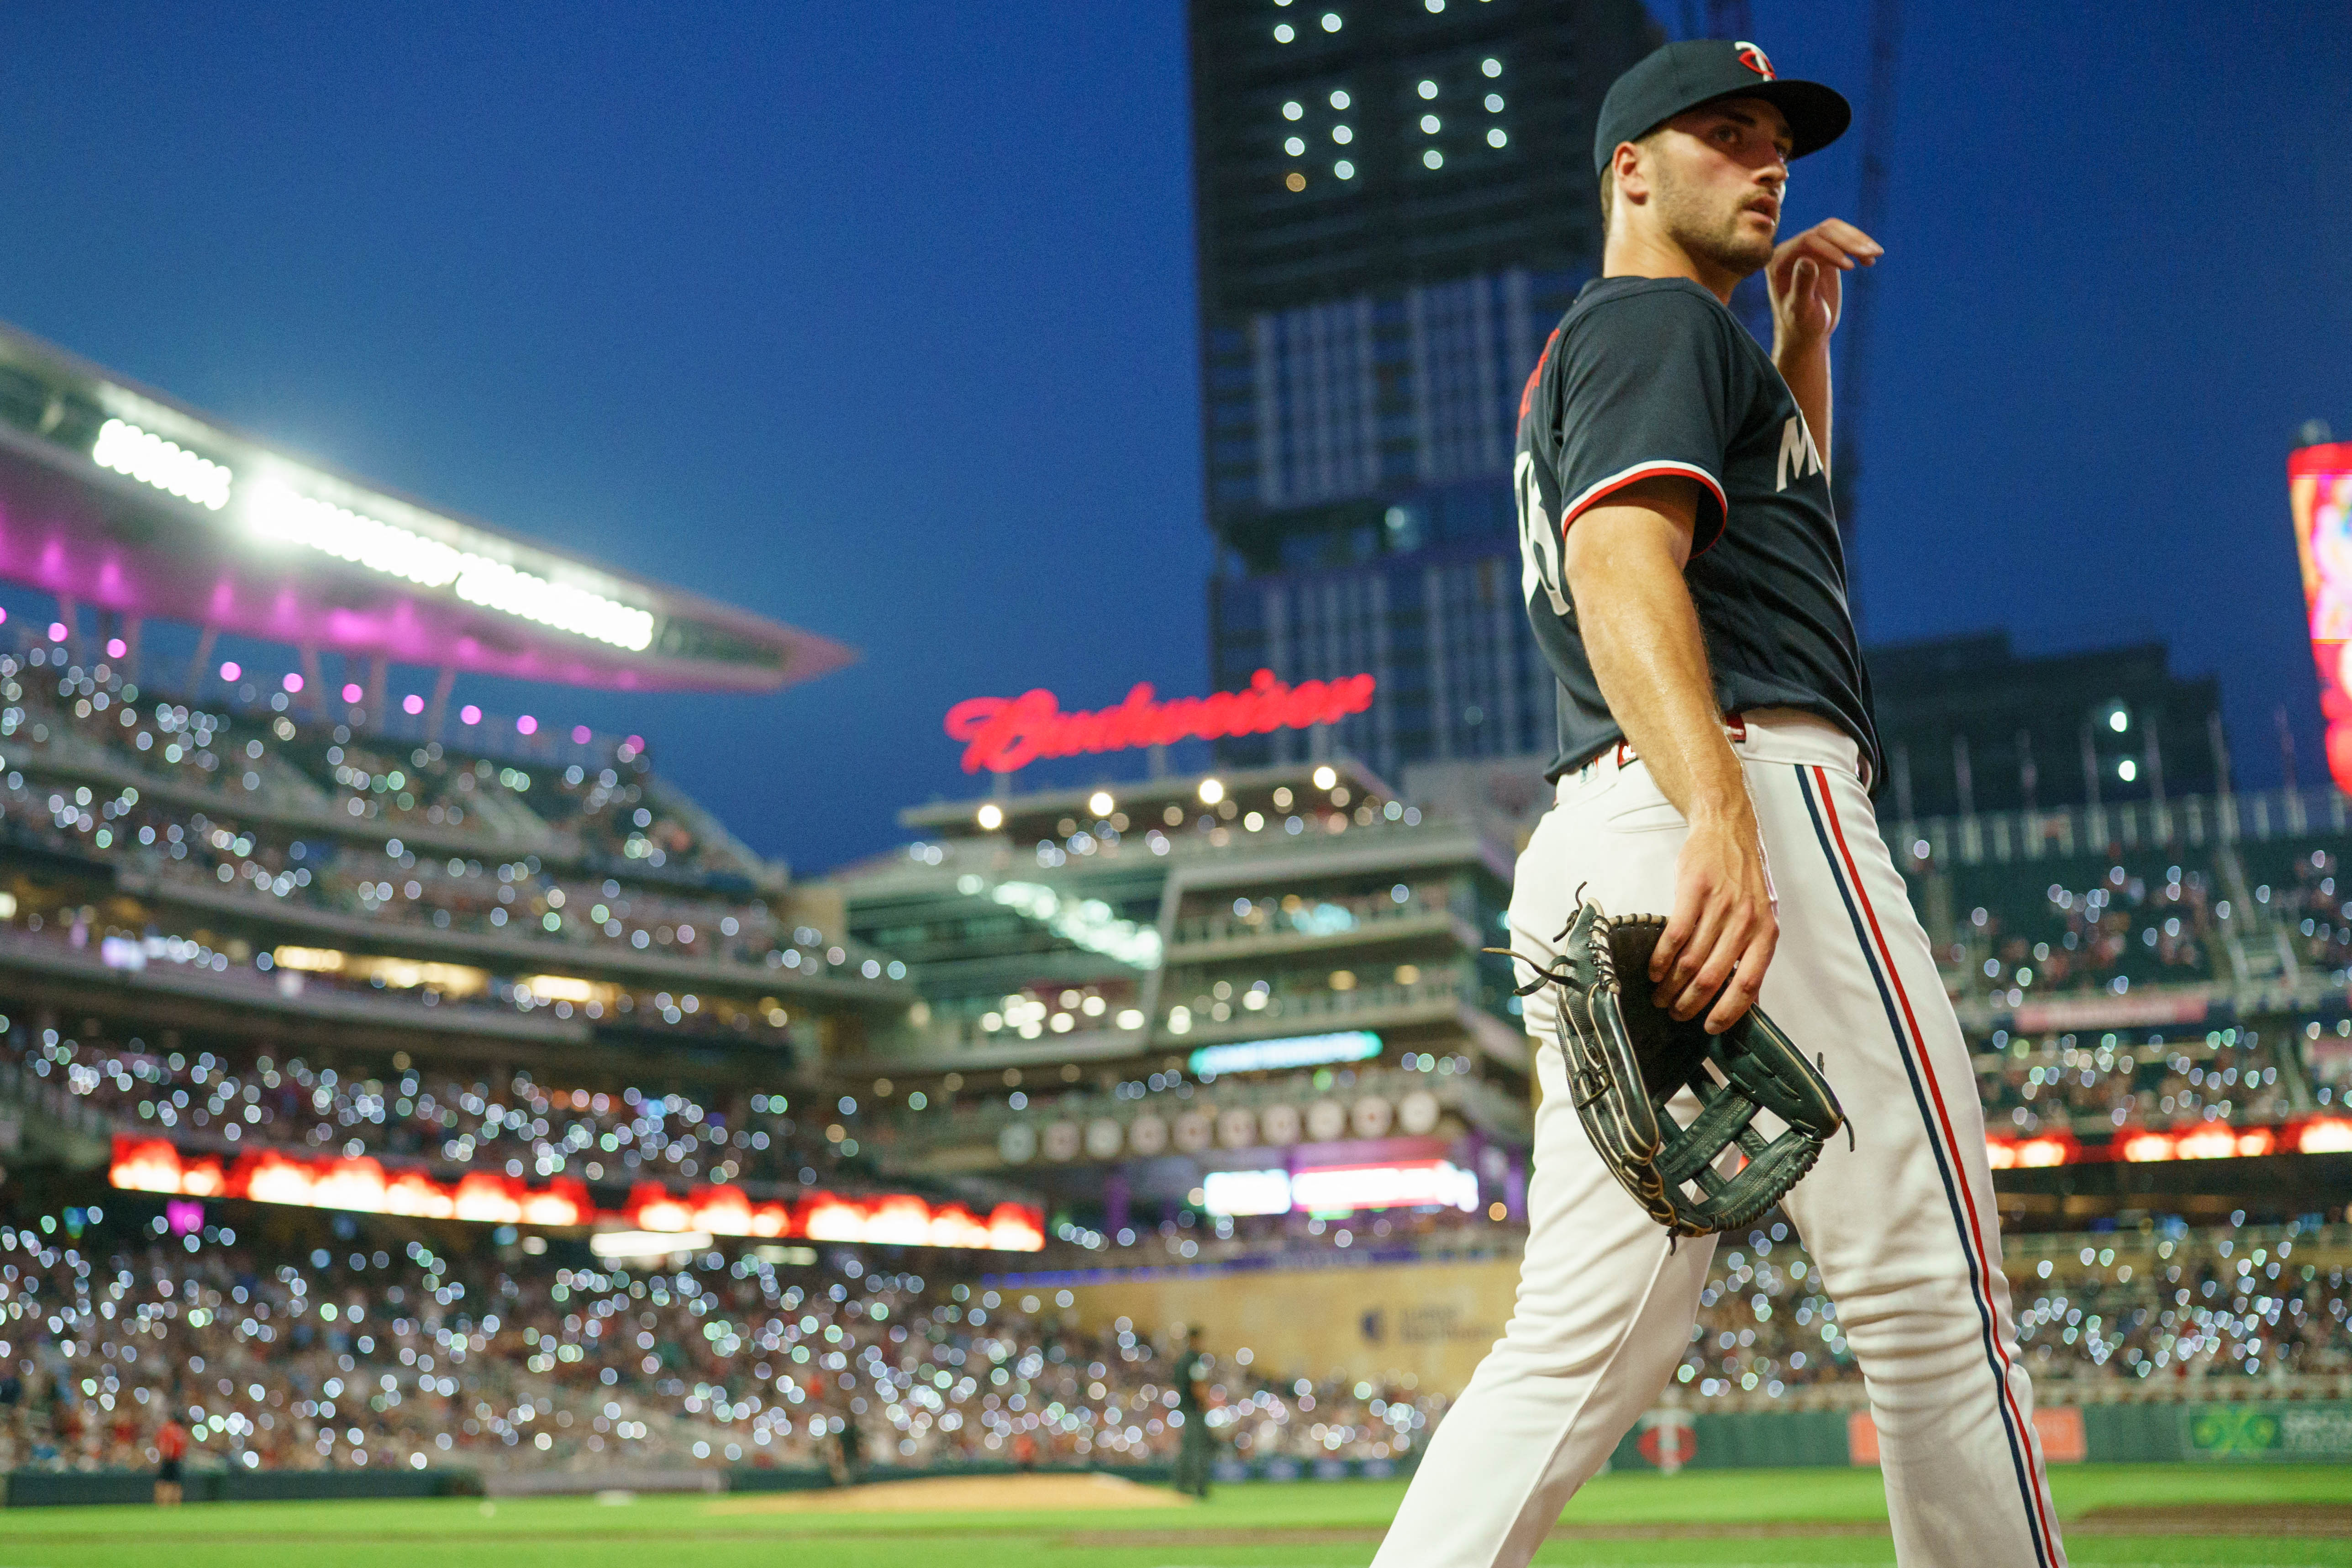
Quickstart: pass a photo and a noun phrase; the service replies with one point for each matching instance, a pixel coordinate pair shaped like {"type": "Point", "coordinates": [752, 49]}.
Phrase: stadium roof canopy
{"type": "Point", "coordinates": [115, 497]}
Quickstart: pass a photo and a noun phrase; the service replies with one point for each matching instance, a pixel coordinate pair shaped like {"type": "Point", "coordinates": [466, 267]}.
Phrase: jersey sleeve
{"type": "Point", "coordinates": [1645, 389]}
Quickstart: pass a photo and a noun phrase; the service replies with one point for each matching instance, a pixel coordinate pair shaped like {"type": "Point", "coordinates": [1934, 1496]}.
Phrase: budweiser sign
{"type": "Point", "coordinates": [1002, 733]}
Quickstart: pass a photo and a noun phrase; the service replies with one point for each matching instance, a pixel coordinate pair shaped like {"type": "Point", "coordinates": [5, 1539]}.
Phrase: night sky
{"type": "Point", "coordinates": [878, 320]}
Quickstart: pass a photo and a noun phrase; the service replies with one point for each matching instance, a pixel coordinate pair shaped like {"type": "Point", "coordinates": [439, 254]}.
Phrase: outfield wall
{"type": "Point", "coordinates": [1375, 1319]}
{"type": "Point", "coordinates": [2252, 1432]}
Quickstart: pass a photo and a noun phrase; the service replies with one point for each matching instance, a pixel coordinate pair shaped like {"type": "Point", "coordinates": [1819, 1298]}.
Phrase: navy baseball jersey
{"type": "Point", "coordinates": [1648, 376]}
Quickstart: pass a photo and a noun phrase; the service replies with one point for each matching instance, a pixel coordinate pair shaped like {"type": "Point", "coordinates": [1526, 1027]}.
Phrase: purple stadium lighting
{"type": "Point", "coordinates": [526, 725]}
{"type": "Point", "coordinates": [469, 714]}
{"type": "Point", "coordinates": [161, 513]}
{"type": "Point", "coordinates": [231, 670]}
{"type": "Point", "coordinates": [411, 703]}
{"type": "Point", "coordinates": [293, 681]}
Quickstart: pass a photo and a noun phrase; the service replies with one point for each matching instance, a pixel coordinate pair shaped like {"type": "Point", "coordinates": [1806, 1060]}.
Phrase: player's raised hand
{"type": "Point", "coordinates": [1804, 278]}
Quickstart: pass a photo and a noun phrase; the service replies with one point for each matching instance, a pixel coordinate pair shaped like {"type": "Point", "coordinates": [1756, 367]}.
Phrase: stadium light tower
{"type": "Point", "coordinates": [119, 500]}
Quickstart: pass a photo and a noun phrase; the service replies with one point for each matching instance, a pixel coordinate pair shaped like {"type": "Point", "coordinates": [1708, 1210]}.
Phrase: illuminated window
{"type": "Point", "coordinates": [1342, 135]}
{"type": "Point", "coordinates": [1494, 104]}
{"type": "Point", "coordinates": [1496, 138]}
{"type": "Point", "coordinates": [1295, 146]}
{"type": "Point", "coordinates": [1292, 110]}
{"type": "Point", "coordinates": [1428, 89]}
{"type": "Point", "coordinates": [1491, 66]}
{"type": "Point", "coordinates": [1339, 100]}
{"type": "Point", "coordinates": [1344, 169]}
{"type": "Point", "coordinates": [1284, 32]}
{"type": "Point", "coordinates": [1295, 180]}
{"type": "Point", "coordinates": [1433, 159]}
{"type": "Point", "coordinates": [1330, 21]}
{"type": "Point", "coordinates": [1429, 124]}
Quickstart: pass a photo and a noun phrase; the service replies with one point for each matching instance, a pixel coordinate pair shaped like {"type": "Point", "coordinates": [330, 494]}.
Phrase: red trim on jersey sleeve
{"type": "Point", "coordinates": [1652, 469]}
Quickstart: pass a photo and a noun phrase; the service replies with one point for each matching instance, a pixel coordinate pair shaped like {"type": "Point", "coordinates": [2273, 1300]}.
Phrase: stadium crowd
{"type": "Point", "coordinates": [564, 856]}
{"type": "Point", "coordinates": [393, 1354]}
{"type": "Point", "coordinates": [2228, 1075]}
{"type": "Point", "coordinates": [502, 1118]}
{"type": "Point", "coordinates": [2317, 917]}
{"type": "Point", "coordinates": [2098, 1316]}
{"type": "Point", "coordinates": [2127, 926]}
{"type": "Point", "coordinates": [386, 1352]}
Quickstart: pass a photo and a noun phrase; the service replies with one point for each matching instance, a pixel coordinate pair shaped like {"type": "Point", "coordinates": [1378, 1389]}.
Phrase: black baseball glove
{"type": "Point", "coordinates": [1627, 1057]}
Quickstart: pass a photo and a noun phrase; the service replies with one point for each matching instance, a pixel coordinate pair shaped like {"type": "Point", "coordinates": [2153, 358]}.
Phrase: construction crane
{"type": "Point", "coordinates": [1715, 19]}
{"type": "Point", "coordinates": [1862, 285]}
{"type": "Point", "coordinates": [1730, 19]}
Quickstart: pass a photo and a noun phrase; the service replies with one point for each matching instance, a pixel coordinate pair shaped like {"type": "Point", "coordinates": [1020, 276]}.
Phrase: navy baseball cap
{"type": "Point", "coordinates": [1677, 77]}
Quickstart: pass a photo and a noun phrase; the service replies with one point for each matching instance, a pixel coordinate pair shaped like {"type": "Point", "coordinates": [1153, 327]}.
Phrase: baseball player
{"type": "Point", "coordinates": [1682, 567]}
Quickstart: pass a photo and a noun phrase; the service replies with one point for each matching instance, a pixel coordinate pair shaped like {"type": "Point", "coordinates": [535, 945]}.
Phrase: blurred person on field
{"type": "Point", "coordinates": [850, 1449]}
{"type": "Point", "coordinates": [1192, 1451]}
{"type": "Point", "coordinates": [170, 1448]}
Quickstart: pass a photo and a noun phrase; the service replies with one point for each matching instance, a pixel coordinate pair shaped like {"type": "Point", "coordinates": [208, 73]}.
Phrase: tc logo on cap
{"type": "Point", "coordinates": [1755, 59]}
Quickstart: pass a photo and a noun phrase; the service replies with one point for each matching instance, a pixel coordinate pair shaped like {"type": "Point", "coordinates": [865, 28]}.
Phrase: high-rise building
{"type": "Point", "coordinates": [1969, 725]}
{"type": "Point", "coordinates": [1396, 205]}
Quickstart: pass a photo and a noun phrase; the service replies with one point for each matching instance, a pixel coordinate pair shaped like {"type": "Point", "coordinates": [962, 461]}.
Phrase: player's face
{"type": "Point", "coordinates": [1719, 173]}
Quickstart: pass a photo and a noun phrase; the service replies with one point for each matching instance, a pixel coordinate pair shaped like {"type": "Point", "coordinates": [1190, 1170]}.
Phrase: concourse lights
{"type": "Point", "coordinates": [1211, 792]}
{"type": "Point", "coordinates": [1232, 1192]}
{"type": "Point", "coordinates": [989, 817]}
{"type": "Point", "coordinates": [1325, 777]}
{"type": "Point", "coordinates": [647, 1245]}
{"type": "Point", "coordinates": [1102, 803]}
{"type": "Point", "coordinates": [1294, 1051]}
{"type": "Point", "coordinates": [1340, 1189]}
{"type": "Point", "coordinates": [1087, 922]}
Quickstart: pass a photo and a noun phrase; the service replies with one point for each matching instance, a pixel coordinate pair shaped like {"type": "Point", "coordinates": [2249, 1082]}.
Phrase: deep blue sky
{"type": "Point", "coordinates": [879, 320]}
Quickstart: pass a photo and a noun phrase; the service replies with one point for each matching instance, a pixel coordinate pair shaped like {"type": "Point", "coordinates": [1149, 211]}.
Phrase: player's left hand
{"type": "Point", "coordinates": [1804, 279]}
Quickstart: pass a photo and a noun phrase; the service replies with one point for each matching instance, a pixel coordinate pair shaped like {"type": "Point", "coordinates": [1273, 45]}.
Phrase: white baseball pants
{"type": "Point", "coordinates": [1902, 1227]}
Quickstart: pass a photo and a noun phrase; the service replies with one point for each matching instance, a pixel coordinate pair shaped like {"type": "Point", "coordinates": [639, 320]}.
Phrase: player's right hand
{"type": "Point", "coordinates": [1724, 926]}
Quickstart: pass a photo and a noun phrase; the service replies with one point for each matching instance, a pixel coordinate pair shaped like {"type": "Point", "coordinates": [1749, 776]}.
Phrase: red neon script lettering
{"type": "Point", "coordinates": [1004, 734]}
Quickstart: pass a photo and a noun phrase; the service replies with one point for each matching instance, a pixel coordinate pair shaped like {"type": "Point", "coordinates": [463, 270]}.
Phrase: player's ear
{"type": "Point", "coordinates": [1629, 166]}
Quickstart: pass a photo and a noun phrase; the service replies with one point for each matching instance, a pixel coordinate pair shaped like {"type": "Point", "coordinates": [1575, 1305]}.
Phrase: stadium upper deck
{"type": "Point", "coordinates": [271, 939]}
{"type": "Point", "coordinates": [118, 498]}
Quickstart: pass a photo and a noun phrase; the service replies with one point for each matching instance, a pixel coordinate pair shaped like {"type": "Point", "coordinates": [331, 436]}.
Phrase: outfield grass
{"type": "Point", "coordinates": [1302, 1525]}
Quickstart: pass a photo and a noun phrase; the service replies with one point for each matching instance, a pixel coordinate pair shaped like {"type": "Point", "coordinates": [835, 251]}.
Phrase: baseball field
{"type": "Point", "coordinates": [2115, 1514]}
